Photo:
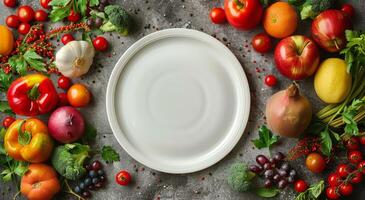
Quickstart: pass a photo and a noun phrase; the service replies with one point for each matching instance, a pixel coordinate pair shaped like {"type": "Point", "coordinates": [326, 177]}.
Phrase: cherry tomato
{"type": "Point", "coordinates": [123, 178]}
{"type": "Point", "coordinates": [357, 178]}
{"type": "Point", "coordinates": [243, 14]}
{"type": "Point", "coordinates": [362, 140]}
{"type": "Point", "coordinates": [218, 16]}
{"type": "Point", "coordinates": [64, 82]}
{"type": "Point", "coordinates": [12, 21]}
{"type": "Point", "coordinates": [41, 16]}
{"type": "Point", "coordinates": [270, 80]}
{"type": "Point", "coordinates": [7, 121]}
{"type": "Point", "coordinates": [334, 180]}
{"type": "Point", "coordinates": [25, 13]}
{"type": "Point", "coordinates": [348, 9]}
{"type": "Point", "coordinates": [331, 193]}
{"type": "Point", "coordinates": [261, 43]}
{"type": "Point", "coordinates": [45, 3]}
{"type": "Point", "coordinates": [361, 166]}
{"type": "Point", "coordinates": [10, 3]}
{"type": "Point", "coordinates": [300, 186]}
{"type": "Point", "coordinates": [354, 157]}
{"type": "Point", "coordinates": [352, 143]}
{"type": "Point", "coordinates": [78, 95]}
{"type": "Point", "coordinates": [66, 38]}
{"type": "Point", "coordinates": [346, 189]}
{"type": "Point", "coordinates": [100, 43]}
{"type": "Point", "coordinates": [343, 170]}
{"type": "Point", "coordinates": [73, 16]}
{"type": "Point", "coordinates": [315, 163]}
{"type": "Point", "coordinates": [62, 99]}
{"type": "Point", "coordinates": [23, 28]}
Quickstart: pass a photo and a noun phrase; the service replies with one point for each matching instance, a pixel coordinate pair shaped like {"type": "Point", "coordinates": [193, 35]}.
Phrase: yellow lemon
{"type": "Point", "coordinates": [332, 82]}
{"type": "Point", "coordinates": [7, 41]}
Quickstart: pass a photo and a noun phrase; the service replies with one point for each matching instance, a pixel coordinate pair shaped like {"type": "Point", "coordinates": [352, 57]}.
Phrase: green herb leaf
{"type": "Point", "coordinates": [59, 13]}
{"type": "Point", "coordinates": [81, 7]}
{"type": "Point", "coordinates": [266, 138]}
{"type": "Point", "coordinates": [316, 189]}
{"type": "Point", "coordinates": [348, 116]}
{"type": "Point", "coordinates": [326, 142]}
{"type": "Point", "coordinates": [5, 80]}
{"type": "Point", "coordinates": [34, 60]}
{"type": "Point", "coordinates": [267, 192]}
{"type": "Point", "coordinates": [2, 135]}
{"type": "Point", "coordinates": [109, 154]}
{"type": "Point", "coordinates": [5, 108]}
{"type": "Point", "coordinates": [6, 175]}
{"type": "Point", "coordinates": [21, 168]}
{"type": "Point", "coordinates": [93, 3]}
{"type": "Point", "coordinates": [18, 63]}
{"type": "Point", "coordinates": [59, 3]}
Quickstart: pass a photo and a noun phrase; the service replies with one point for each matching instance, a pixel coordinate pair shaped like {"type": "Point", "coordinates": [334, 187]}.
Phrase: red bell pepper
{"type": "Point", "coordinates": [32, 95]}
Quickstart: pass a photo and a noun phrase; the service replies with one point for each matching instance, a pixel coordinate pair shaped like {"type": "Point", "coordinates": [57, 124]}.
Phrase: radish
{"type": "Point", "coordinates": [66, 124]}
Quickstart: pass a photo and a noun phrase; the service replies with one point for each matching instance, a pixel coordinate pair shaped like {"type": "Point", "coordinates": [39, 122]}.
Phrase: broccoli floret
{"type": "Point", "coordinates": [68, 160]}
{"type": "Point", "coordinates": [312, 8]}
{"type": "Point", "coordinates": [118, 20]}
{"type": "Point", "coordinates": [240, 177]}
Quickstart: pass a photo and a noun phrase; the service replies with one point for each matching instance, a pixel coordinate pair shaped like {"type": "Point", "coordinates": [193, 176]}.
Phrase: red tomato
{"type": "Point", "coordinates": [64, 82]}
{"type": "Point", "coordinates": [315, 163]}
{"type": "Point", "coordinates": [78, 95]}
{"type": "Point", "coordinates": [300, 186]}
{"type": "Point", "coordinates": [23, 28]}
{"type": "Point", "coordinates": [343, 170]}
{"type": "Point", "coordinates": [357, 178]}
{"type": "Point", "coordinates": [270, 80]}
{"type": "Point", "coordinates": [348, 9]}
{"type": "Point", "coordinates": [100, 43]}
{"type": "Point", "coordinates": [41, 16]}
{"type": "Point", "coordinates": [7, 121]}
{"type": "Point", "coordinates": [361, 166]}
{"type": "Point", "coordinates": [352, 143]}
{"type": "Point", "coordinates": [331, 193]}
{"type": "Point", "coordinates": [262, 43]}
{"type": "Point", "coordinates": [12, 21]}
{"type": "Point", "coordinates": [354, 157]}
{"type": "Point", "coordinates": [123, 178]}
{"type": "Point", "coordinates": [73, 16]}
{"type": "Point", "coordinates": [25, 13]}
{"type": "Point", "coordinates": [44, 3]}
{"type": "Point", "coordinates": [346, 189]}
{"type": "Point", "coordinates": [10, 3]}
{"type": "Point", "coordinates": [243, 14]}
{"type": "Point", "coordinates": [334, 180]}
{"type": "Point", "coordinates": [218, 16]}
{"type": "Point", "coordinates": [66, 38]}
{"type": "Point", "coordinates": [362, 140]}
{"type": "Point", "coordinates": [62, 99]}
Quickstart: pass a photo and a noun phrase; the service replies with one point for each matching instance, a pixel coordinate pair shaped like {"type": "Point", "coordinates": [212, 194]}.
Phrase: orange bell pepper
{"type": "Point", "coordinates": [28, 140]}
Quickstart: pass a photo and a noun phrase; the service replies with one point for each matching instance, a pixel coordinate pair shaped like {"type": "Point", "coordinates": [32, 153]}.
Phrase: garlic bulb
{"type": "Point", "coordinates": [75, 58]}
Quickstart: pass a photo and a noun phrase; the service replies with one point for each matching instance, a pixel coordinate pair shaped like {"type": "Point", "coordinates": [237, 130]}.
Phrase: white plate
{"type": "Point", "coordinates": [178, 101]}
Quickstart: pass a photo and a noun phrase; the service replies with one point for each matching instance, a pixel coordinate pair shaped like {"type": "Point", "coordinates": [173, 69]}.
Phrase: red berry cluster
{"type": "Point", "coordinates": [67, 29]}
{"type": "Point", "coordinates": [305, 146]}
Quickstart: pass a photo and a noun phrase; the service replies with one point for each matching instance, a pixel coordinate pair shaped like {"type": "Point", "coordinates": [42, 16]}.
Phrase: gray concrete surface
{"type": "Point", "coordinates": [153, 15]}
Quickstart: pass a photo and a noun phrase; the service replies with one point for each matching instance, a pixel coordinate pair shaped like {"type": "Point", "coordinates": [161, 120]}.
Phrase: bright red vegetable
{"type": "Point", "coordinates": [123, 178]}
{"type": "Point", "coordinates": [262, 43]}
{"type": "Point", "coordinates": [41, 16]}
{"type": "Point", "coordinates": [12, 21]}
{"type": "Point", "coordinates": [300, 186]}
{"type": "Point", "coordinates": [343, 170]}
{"type": "Point", "coordinates": [66, 38]}
{"type": "Point", "coordinates": [348, 9]}
{"type": "Point", "coordinates": [100, 43]}
{"type": "Point", "coordinates": [32, 95]}
{"type": "Point", "coordinates": [24, 28]}
{"type": "Point", "coordinates": [331, 193]}
{"type": "Point", "coordinates": [10, 3]}
{"type": "Point", "coordinates": [63, 101]}
{"type": "Point", "coordinates": [25, 13]}
{"type": "Point", "coordinates": [354, 157]}
{"type": "Point", "coordinates": [218, 16]}
{"type": "Point", "coordinates": [346, 189]}
{"type": "Point", "coordinates": [362, 140]}
{"type": "Point", "coordinates": [73, 16]}
{"type": "Point", "coordinates": [334, 179]}
{"type": "Point", "coordinates": [7, 121]}
{"type": "Point", "coordinates": [45, 3]}
{"type": "Point", "coordinates": [352, 143]}
{"type": "Point", "coordinates": [270, 80]}
{"type": "Point", "coordinates": [357, 178]}
{"type": "Point", "coordinates": [361, 166]}
{"type": "Point", "coordinates": [243, 14]}
{"type": "Point", "coordinates": [315, 163]}
{"type": "Point", "coordinates": [64, 82]}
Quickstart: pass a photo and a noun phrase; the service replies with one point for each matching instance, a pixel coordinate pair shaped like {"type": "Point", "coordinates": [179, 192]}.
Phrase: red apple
{"type": "Point", "coordinates": [296, 57]}
{"type": "Point", "coordinates": [328, 30]}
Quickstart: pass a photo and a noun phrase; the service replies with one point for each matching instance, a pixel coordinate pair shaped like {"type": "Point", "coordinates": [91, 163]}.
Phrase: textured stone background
{"type": "Point", "coordinates": [153, 15]}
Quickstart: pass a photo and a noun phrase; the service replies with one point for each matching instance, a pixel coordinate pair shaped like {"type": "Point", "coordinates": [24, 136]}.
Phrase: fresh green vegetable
{"type": "Point", "coordinates": [109, 154]}
{"type": "Point", "coordinates": [311, 8]}
{"type": "Point", "coordinates": [62, 8]}
{"type": "Point", "coordinates": [118, 20]}
{"type": "Point", "coordinates": [30, 58]}
{"type": "Point", "coordinates": [240, 177]}
{"type": "Point", "coordinates": [68, 160]}
{"type": "Point", "coordinates": [5, 108]}
{"type": "Point", "coordinates": [5, 80]}
{"type": "Point", "coordinates": [267, 192]}
{"type": "Point", "coordinates": [312, 193]}
{"type": "Point", "coordinates": [266, 138]}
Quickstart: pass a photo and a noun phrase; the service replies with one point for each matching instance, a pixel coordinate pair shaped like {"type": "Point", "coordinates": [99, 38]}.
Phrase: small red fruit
{"type": "Point", "coordinates": [300, 186]}
{"type": "Point", "coordinates": [346, 189]}
{"type": "Point", "coordinates": [354, 157]}
{"type": "Point", "coordinates": [23, 28]}
{"type": "Point", "coordinates": [218, 16]}
{"type": "Point", "coordinates": [73, 16]}
{"type": "Point", "coordinates": [348, 9]}
{"type": "Point", "coordinates": [123, 178]}
{"type": "Point", "coordinates": [357, 178]}
{"type": "Point", "coordinates": [64, 82]}
{"type": "Point", "coordinates": [12, 21]}
{"type": "Point", "coordinates": [334, 180]}
{"type": "Point", "coordinates": [361, 166]}
{"type": "Point", "coordinates": [343, 170]}
{"type": "Point", "coordinates": [62, 99]}
{"type": "Point", "coordinates": [352, 143]}
{"type": "Point", "coordinates": [262, 43]}
{"type": "Point", "coordinates": [7, 121]}
{"type": "Point", "coordinates": [100, 43]}
{"type": "Point", "coordinates": [66, 38]}
{"type": "Point", "coordinates": [331, 193]}
{"type": "Point", "coordinates": [25, 13]}
{"type": "Point", "coordinates": [270, 80]}
{"type": "Point", "coordinates": [10, 3]}
{"type": "Point", "coordinates": [41, 16]}
{"type": "Point", "coordinates": [45, 3]}
{"type": "Point", "coordinates": [362, 140]}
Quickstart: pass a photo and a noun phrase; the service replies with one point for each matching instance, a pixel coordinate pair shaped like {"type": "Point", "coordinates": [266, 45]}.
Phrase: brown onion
{"type": "Point", "coordinates": [288, 113]}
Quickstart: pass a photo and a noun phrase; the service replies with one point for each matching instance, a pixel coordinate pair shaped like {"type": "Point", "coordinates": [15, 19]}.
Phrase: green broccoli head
{"type": "Point", "coordinates": [312, 8]}
{"type": "Point", "coordinates": [68, 160]}
{"type": "Point", "coordinates": [240, 177]}
{"type": "Point", "coordinates": [118, 20]}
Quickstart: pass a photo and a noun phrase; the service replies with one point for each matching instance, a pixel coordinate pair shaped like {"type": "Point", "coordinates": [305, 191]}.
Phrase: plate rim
{"type": "Point", "coordinates": [237, 127]}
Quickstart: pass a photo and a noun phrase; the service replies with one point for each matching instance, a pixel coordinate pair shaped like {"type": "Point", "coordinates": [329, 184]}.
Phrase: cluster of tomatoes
{"type": "Point", "coordinates": [99, 43]}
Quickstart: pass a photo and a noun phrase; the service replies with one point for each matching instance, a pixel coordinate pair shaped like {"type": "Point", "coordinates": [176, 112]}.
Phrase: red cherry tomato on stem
{"type": "Point", "coordinates": [361, 166]}
{"type": "Point", "coordinates": [218, 16]}
{"type": "Point", "coordinates": [12, 21]}
{"type": "Point", "coordinates": [64, 82]}
{"type": "Point", "coordinates": [300, 186]}
{"type": "Point", "coordinates": [334, 179]}
{"type": "Point", "coordinates": [41, 16]}
{"type": "Point", "coordinates": [23, 28]}
{"type": "Point", "coordinates": [7, 121]}
{"type": "Point", "coordinates": [62, 99]}
{"type": "Point", "coordinates": [331, 193]}
{"type": "Point", "coordinates": [343, 170]}
{"type": "Point", "coordinates": [354, 157]}
{"type": "Point", "coordinates": [10, 3]}
{"type": "Point", "coordinates": [123, 178]}
{"type": "Point", "coordinates": [45, 3]}
{"type": "Point", "coordinates": [25, 13]}
{"type": "Point", "coordinates": [346, 189]}
{"type": "Point", "coordinates": [66, 38]}
{"type": "Point", "coordinates": [270, 80]}
{"type": "Point", "coordinates": [100, 43]}
{"type": "Point", "coordinates": [73, 16]}
{"type": "Point", "coordinates": [352, 143]}
{"type": "Point", "coordinates": [357, 178]}
{"type": "Point", "coordinates": [243, 14]}
{"type": "Point", "coordinates": [348, 9]}
{"type": "Point", "coordinates": [261, 43]}
{"type": "Point", "coordinates": [315, 162]}
{"type": "Point", "coordinates": [362, 140]}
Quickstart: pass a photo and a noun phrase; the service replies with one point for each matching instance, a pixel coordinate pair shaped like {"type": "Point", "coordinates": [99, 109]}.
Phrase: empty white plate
{"type": "Point", "coordinates": [178, 101]}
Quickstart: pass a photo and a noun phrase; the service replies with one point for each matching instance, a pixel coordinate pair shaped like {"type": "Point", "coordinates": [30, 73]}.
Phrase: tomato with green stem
{"type": "Point", "coordinates": [334, 179]}
{"type": "Point", "coordinates": [361, 167]}
{"type": "Point", "coordinates": [346, 189]}
{"type": "Point", "coordinates": [357, 178]}
{"type": "Point", "coordinates": [24, 28]}
{"type": "Point", "coordinates": [343, 170]}
{"type": "Point", "coordinates": [352, 143]}
{"type": "Point", "coordinates": [331, 193]}
{"type": "Point", "coordinates": [354, 156]}
{"type": "Point", "coordinates": [348, 9]}
{"type": "Point", "coordinates": [73, 16]}
{"type": "Point", "coordinates": [123, 178]}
